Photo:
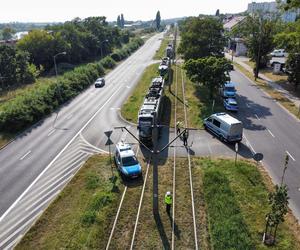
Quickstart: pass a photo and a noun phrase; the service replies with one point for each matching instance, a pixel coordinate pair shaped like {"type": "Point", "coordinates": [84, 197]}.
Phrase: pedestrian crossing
{"type": "Point", "coordinates": [28, 209]}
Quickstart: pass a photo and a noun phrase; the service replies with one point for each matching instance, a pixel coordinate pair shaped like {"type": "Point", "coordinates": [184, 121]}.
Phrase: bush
{"type": "Point", "coordinates": [108, 62]}
{"type": "Point", "coordinates": [28, 108]}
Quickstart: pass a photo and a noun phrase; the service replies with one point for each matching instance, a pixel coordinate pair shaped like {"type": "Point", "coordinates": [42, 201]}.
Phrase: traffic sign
{"type": "Point", "coordinates": [258, 156]}
{"type": "Point", "coordinates": [109, 142]}
{"type": "Point", "coordinates": [236, 147]}
{"type": "Point", "coordinates": [108, 133]}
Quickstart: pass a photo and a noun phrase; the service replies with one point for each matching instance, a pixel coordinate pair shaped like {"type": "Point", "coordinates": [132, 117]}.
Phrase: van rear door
{"type": "Point", "coordinates": [236, 132]}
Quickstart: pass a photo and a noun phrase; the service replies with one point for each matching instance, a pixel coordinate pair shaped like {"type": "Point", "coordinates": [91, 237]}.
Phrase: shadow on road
{"type": "Point", "coordinates": [250, 112]}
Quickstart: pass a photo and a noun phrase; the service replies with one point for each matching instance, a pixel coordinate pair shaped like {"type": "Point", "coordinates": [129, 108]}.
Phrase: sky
{"type": "Point", "coordinates": [63, 10]}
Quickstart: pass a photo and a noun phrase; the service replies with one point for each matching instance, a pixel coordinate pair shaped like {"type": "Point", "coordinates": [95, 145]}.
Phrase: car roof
{"type": "Point", "coordinates": [231, 100]}
{"type": "Point", "coordinates": [100, 79]}
{"type": "Point", "coordinates": [226, 118]}
{"type": "Point", "coordinates": [125, 149]}
{"type": "Point", "coordinates": [229, 84]}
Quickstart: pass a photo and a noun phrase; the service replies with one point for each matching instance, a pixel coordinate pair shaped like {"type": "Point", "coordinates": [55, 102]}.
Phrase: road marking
{"type": "Point", "coordinates": [256, 116]}
{"type": "Point", "coordinates": [290, 155]}
{"type": "Point", "coordinates": [249, 145]}
{"type": "Point", "coordinates": [128, 87]}
{"type": "Point", "coordinates": [55, 158]}
{"type": "Point", "coordinates": [51, 132]}
{"type": "Point", "coordinates": [22, 158]}
{"type": "Point", "coordinates": [69, 117]}
{"type": "Point", "coordinates": [271, 133]}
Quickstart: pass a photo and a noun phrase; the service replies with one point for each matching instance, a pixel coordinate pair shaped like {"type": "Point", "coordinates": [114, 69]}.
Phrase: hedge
{"type": "Point", "coordinates": [34, 104]}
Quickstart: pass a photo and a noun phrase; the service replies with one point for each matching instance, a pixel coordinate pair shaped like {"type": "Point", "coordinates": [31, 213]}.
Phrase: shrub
{"type": "Point", "coordinates": [108, 62]}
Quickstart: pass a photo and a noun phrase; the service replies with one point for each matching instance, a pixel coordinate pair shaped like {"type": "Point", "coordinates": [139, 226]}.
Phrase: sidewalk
{"type": "Point", "coordinates": [241, 61]}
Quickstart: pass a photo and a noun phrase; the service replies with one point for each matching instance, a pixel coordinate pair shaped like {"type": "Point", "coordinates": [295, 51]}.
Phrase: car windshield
{"type": "Point", "coordinates": [229, 88]}
{"type": "Point", "coordinates": [129, 161]}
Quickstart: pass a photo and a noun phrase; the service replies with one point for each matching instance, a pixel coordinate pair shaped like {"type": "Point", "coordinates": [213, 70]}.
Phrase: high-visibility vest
{"type": "Point", "coordinates": [168, 199]}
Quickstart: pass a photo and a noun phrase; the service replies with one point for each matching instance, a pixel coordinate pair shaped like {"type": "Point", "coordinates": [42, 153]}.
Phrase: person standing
{"type": "Point", "coordinates": [178, 127]}
{"type": "Point", "coordinates": [168, 202]}
{"type": "Point", "coordinates": [185, 137]}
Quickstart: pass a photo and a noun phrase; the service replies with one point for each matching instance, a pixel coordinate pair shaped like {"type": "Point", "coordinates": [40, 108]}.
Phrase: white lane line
{"type": "Point", "coordinates": [257, 116]}
{"type": "Point", "coordinates": [22, 158]}
{"type": "Point", "coordinates": [69, 117]}
{"type": "Point", "coordinates": [271, 133]}
{"type": "Point", "coordinates": [14, 242]}
{"type": "Point", "coordinates": [117, 216]}
{"type": "Point", "coordinates": [290, 155]}
{"type": "Point", "coordinates": [58, 155]}
{"type": "Point", "coordinates": [128, 87]}
{"type": "Point", "coordinates": [249, 145]}
{"type": "Point", "coordinates": [51, 132]}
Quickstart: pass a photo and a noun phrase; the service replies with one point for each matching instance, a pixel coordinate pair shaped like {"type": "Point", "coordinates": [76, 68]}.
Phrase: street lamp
{"type": "Point", "coordinates": [104, 41]}
{"type": "Point", "coordinates": [55, 67]}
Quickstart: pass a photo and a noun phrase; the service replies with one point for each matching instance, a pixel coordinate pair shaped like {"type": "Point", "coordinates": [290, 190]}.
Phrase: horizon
{"type": "Point", "coordinates": [31, 11]}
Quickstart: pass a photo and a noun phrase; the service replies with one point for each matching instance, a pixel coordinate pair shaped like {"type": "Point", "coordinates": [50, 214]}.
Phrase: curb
{"type": "Point", "coordinates": [267, 94]}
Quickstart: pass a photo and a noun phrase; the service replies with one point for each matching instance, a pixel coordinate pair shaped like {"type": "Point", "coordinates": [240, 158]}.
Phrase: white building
{"type": "Point", "coordinates": [273, 9]}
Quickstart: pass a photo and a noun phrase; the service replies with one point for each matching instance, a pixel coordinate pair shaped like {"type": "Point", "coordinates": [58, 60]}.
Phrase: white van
{"type": "Point", "coordinates": [226, 127]}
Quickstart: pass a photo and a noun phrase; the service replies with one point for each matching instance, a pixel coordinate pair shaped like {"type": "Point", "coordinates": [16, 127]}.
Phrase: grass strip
{"type": "Point", "coordinates": [161, 52]}
{"type": "Point", "coordinates": [237, 203]}
{"type": "Point", "coordinates": [130, 109]}
{"type": "Point", "coordinates": [81, 215]}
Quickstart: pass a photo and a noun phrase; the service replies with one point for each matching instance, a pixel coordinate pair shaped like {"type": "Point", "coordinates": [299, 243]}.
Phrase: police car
{"type": "Point", "coordinates": [126, 161]}
{"type": "Point", "coordinates": [230, 104]}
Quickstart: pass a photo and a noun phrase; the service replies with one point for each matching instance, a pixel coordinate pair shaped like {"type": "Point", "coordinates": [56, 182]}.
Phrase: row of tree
{"type": "Point", "coordinates": [202, 44]}
{"type": "Point", "coordinates": [40, 100]}
{"type": "Point", "coordinates": [121, 21]}
{"type": "Point", "coordinates": [82, 40]}
{"type": "Point", "coordinates": [262, 35]}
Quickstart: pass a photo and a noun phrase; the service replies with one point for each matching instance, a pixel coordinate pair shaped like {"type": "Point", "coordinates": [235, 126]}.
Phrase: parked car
{"type": "Point", "coordinates": [126, 161]}
{"type": "Point", "coordinates": [226, 127]}
{"type": "Point", "coordinates": [230, 104]}
{"type": "Point", "coordinates": [279, 53]}
{"type": "Point", "coordinates": [228, 90]}
{"type": "Point", "coordinates": [100, 82]}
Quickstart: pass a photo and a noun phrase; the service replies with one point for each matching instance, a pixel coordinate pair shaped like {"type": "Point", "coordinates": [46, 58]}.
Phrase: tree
{"type": "Point", "coordinates": [289, 4]}
{"type": "Point", "coordinates": [7, 33]}
{"type": "Point", "coordinates": [218, 12]}
{"type": "Point", "coordinates": [122, 21]}
{"type": "Point", "coordinates": [119, 21]}
{"type": "Point", "coordinates": [258, 33]}
{"type": "Point", "coordinates": [15, 67]}
{"type": "Point", "coordinates": [278, 201]}
{"type": "Point", "coordinates": [201, 37]}
{"type": "Point", "coordinates": [293, 64]}
{"type": "Point", "coordinates": [212, 72]}
{"type": "Point", "coordinates": [289, 39]}
{"type": "Point", "coordinates": [157, 20]}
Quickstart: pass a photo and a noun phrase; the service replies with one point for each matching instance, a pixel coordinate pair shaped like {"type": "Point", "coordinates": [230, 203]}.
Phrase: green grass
{"type": "Point", "coordinates": [81, 215]}
{"type": "Point", "coordinates": [132, 105]}
{"type": "Point", "coordinates": [161, 52]}
{"type": "Point", "coordinates": [236, 205]}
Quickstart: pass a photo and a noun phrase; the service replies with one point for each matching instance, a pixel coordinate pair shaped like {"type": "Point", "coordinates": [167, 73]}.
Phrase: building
{"type": "Point", "coordinates": [272, 9]}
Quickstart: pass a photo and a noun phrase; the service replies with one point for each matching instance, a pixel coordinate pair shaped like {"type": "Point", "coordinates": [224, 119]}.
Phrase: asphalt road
{"type": "Point", "coordinates": [37, 165]}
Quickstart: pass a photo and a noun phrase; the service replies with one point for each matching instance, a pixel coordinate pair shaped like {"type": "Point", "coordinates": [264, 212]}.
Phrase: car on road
{"type": "Point", "coordinates": [228, 90]}
{"type": "Point", "coordinates": [126, 161]}
{"type": "Point", "coordinates": [225, 127]}
{"type": "Point", "coordinates": [100, 82]}
{"type": "Point", "coordinates": [230, 104]}
{"type": "Point", "coordinates": [279, 53]}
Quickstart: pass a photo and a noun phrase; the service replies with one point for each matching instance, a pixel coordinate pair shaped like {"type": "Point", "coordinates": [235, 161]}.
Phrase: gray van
{"type": "Point", "coordinates": [226, 127]}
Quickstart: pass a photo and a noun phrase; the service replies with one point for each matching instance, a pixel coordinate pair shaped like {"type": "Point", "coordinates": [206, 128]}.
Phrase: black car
{"type": "Point", "coordinates": [100, 82]}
